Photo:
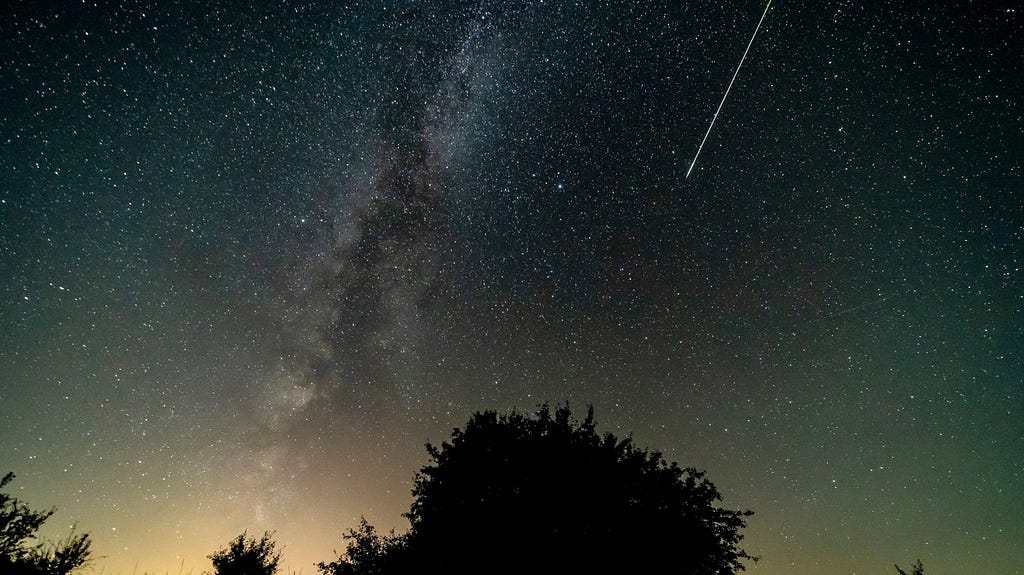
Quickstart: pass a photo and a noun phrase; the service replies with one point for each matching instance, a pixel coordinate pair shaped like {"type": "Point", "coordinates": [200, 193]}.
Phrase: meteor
{"type": "Point", "coordinates": [734, 74]}
{"type": "Point", "coordinates": [850, 309]}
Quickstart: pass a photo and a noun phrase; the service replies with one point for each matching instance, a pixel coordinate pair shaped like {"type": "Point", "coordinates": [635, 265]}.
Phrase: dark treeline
{"type": "Point", "coordinates": [509, 493]}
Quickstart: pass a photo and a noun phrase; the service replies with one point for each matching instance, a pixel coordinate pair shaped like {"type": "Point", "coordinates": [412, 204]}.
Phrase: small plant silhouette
{"type": "Point", "coordinates": [915, 569]}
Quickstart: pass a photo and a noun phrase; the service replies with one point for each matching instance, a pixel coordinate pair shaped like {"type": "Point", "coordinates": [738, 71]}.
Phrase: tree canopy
{"type": "Point", "coordinates": [20, 556]}
{"type": "Point", "coordinates": [247, 556]}
{"type": "Point", "coordinates": [545, 494]}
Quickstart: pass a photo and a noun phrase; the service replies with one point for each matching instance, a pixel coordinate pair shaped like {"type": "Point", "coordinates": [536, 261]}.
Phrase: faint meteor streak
{"type": "Point", "coordinates": [850, 309]}
{"type": "Point", "coordinates": [734, 74]}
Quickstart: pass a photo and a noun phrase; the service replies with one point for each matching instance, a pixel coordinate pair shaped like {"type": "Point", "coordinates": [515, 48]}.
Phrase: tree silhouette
{"type": "Point", "coordinates": [247, 556]}
{"type": "Point", "coordinates": [367, 553]}
{"type": "Point", "coordinates": [515, 494]}
{"type": "Point", "coordinates": [18, 526]}
{"type": "Point", "coordinates": [915, 569]}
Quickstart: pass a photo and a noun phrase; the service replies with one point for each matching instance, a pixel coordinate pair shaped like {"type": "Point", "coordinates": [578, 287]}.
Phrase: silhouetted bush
{"type": "Point", "coordinates": [247, 556]}
{"type": "Point", "coordinates": [367, 553]}
{"type": "Point", "coordinates": [515, 494]}
{"type": "Point", "coordinates": [18, 527]}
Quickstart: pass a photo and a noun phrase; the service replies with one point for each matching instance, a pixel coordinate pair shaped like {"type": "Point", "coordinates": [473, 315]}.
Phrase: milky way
{"type": "Point", "coordinates": [254, 257]}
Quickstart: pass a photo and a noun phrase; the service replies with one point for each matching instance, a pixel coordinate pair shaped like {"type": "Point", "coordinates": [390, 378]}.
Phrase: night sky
{"type": "Point", "coordinates": [252, 258]}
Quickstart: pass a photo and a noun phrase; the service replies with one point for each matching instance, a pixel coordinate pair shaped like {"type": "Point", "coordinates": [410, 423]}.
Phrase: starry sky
{"type": "Point", "coordinates": [253, 257]}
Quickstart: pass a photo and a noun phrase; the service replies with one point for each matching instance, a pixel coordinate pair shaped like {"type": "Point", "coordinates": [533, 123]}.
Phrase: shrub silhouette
{"type": "Point", "coordinates": [368, 553]}
{"type": "Point", "coordinates": [18, 526]}
{"type": "Point", "coordinates": [515, 494]}
{"type": "Point", "coordinates": [247, 556]}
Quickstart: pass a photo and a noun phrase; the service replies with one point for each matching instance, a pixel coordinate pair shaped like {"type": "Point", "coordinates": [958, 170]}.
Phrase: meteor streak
{"type": "Point", "coordinates": [734, 74]}
{"type": "Point", "coordinates": [850, 309]}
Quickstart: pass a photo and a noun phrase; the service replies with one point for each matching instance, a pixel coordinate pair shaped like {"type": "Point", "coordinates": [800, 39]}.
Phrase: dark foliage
{"type": "Point", "coordinates": [18, 527]}
{"type": "Point", "coordinates": [515, 494]}
{"type": "Point", "coordinates": [367, 553]}
{"type": "Point", "coordinates": [247, 556]}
